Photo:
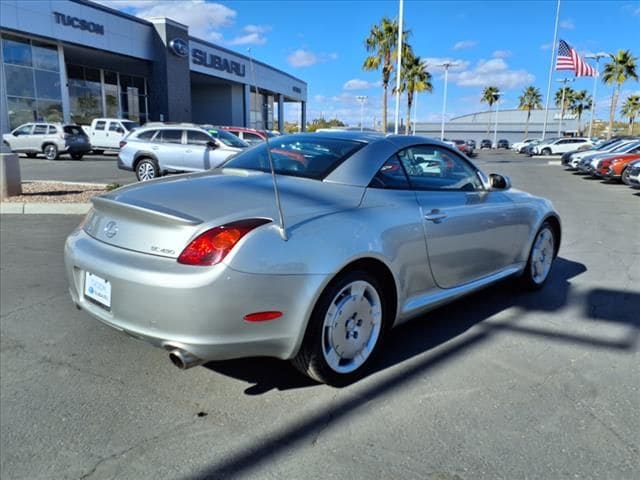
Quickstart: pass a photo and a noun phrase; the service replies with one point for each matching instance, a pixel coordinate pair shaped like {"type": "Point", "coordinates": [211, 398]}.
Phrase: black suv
{"type": "Point", "coordinates": [486, 143]}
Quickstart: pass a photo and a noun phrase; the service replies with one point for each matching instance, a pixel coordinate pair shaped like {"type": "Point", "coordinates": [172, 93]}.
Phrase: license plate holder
{"type": "Point", "coordinates": [97, 289]}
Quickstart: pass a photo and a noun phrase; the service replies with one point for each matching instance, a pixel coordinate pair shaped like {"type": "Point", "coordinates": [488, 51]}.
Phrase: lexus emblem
{"type": "Point", "coordinates": [111, 229]}
{"type": "Point", "coordinates": [179, 47]}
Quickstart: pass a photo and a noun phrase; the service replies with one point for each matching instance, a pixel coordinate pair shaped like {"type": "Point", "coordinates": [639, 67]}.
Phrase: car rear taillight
{"type": "Point", "coordinates": [213, 245]}
{"type": "Point", "coordinates": [122, 143]}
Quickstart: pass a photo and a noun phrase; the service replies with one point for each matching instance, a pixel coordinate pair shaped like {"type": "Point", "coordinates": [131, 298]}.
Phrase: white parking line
{"type": "Point", "coordinates": [554, 162]}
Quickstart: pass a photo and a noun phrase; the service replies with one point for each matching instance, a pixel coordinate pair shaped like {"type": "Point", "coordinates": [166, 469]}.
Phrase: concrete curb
{"type": "Point", "coordinates": [8, 208]}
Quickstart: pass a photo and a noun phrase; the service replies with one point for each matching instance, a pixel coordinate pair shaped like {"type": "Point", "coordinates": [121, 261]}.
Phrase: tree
{"type": "Point", "coordinates": [382, 43]}
{"type": "Point", "coordinates": [580, 102]}
{"type": "Point", "coordinates": [317, 123]}
{"type": "Point", "coordinates": [567, 94]}
{"type": "Point", "coordinates": [621, 68]}
{"type": "Point", "coordinates": [531, 99]}
{"type": "Point", "coordinates": [490, 95]}
{"type": "Point", "coordinates": [414, 78]}
{"type": "Point", "coordinates": [631, 109]}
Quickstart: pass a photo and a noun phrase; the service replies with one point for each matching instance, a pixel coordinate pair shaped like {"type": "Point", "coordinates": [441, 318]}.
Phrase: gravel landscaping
{"type": "Point", "coordinates": [56, 192]}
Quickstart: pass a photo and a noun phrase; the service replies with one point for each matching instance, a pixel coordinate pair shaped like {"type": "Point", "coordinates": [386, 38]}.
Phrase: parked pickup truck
{"type": "Point", "coordinates": [106, 133]}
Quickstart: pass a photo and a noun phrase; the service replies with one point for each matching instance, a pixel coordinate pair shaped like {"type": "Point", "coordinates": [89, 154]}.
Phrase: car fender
{"type": "Point", "coordinates": [144, 154]}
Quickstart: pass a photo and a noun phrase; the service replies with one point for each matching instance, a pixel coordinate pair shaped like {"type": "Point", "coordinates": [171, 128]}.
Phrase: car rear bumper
{"type": "Point", "coordinates": [124, 166]}
{"type": "Point", "coordinates": [197, 309]}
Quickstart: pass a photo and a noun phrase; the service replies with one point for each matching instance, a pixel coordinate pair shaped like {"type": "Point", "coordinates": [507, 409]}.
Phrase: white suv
{"type": "Point", "coordinates": [51, 139]}
{"type": "Point", "coordinates": [561, 145]}
{"type": "Point", "coordinates": [157, 149]}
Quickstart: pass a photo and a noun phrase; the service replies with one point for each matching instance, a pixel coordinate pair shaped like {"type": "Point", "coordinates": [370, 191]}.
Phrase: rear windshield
{"type": "Point", "coordinates": [296, 155]}
{"type": "Point", "coordinates": [229, 139]}
{"type": "Point", "coordinates": [73, 130]}
{"type": "Point", "coordinates": [130, 125]}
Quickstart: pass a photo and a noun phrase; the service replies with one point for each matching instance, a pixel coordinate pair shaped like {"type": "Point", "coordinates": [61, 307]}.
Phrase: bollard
{"type": "Point", "coordinates": [10, 181]}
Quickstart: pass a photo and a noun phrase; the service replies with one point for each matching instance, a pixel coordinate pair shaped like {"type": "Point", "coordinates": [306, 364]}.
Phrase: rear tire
{"type": "Point", "coordinates": [147, 169]}
{"type": "Point", "coordinates": [546, 151]}
{"type": "Point", "coordinates": [50, 151]}
{"type": "Point", "coordinates": [345, 330]}
{"type": "Point", "coordinates": [625, 176]}
{"type": "Point", "coordinates": [541, 258]}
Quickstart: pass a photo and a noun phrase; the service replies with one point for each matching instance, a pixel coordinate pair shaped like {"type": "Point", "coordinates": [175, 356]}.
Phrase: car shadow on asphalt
{"type": "Point", "coordinates": [434, 329]}
{"type": "Point", "coordinates": [437, 329]}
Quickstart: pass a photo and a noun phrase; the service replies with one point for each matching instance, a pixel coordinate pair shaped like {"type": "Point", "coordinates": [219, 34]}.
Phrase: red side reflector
{"type": "Point", "coordinates": [262, 316]}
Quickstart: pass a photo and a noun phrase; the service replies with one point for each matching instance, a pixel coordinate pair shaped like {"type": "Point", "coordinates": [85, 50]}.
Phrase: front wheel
{"type": "Point", "coordinates": [541, 258]}
{"type": "Point", "coordinates": [625, 176]}
{"type": "Point", "coordinates": [345, 330]}
{"type": "Point", "coordinates": [546, 151]}
{"type": "Point", "coordinates": [147, 169]}
{"type": "Point", "coordinates": [50, 151]}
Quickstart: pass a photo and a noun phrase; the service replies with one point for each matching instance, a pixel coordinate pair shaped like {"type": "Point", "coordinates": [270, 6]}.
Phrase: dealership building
{"type": "Point", "coordinates": [74, 60]}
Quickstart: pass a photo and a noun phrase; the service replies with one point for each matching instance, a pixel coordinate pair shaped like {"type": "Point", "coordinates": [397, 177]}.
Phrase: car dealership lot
{"type": "Point", "coordinates": [498, 385]}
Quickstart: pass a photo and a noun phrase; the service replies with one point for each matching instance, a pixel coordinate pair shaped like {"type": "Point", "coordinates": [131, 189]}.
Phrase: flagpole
{"type": "Point", "coordinates": [399, 70]}
{"type": "Point", "coordinates": [597, 56]}
{"type": "Point", "coordinates": [553, 53]}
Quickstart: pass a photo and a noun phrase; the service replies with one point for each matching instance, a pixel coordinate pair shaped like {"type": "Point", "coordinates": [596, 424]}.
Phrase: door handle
{"type": "Point", "coordinates": [435, 216]}
{"type": "Point", "coordinates": [154, 148]}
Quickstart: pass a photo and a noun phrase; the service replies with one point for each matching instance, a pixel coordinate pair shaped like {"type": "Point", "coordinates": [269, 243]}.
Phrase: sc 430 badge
{"type": "Point", "coordinates": [164, 251]}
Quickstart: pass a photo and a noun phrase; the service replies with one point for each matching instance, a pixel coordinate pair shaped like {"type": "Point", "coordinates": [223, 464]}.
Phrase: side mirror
{"type": "Point", "coordinates": [16, 133]}
{"type": "Point", "coordinates": [499, 182]}
{"type": "Point", "coordinates": [212, 145]}
{"type": "Point", "coordinates": [120, 130]}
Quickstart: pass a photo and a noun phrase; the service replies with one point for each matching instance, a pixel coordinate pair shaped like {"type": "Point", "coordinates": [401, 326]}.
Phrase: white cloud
{"type": "Point", "coordinates": [502, 53]}
{"type": "Point", "coordinates": [567, 24]}
{"type": "Point", "coordinates": [306, 58]}
{"type": "Point", "coordinates": [253, 36]}
{"type": "Point", "coordinates": [357, 84]}
{"type": "Point", "coordinates": [545, 46]}
{"type": "Point", "coordinates": [492, 72]}
{"type": "Point", "coordinates": [465, 44]}
{"type": "Point", "coordinates": [302, 58]}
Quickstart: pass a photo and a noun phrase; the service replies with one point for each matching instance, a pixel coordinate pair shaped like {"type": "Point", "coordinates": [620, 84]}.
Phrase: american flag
{"type": "Point", "coordinates": [568, 59]}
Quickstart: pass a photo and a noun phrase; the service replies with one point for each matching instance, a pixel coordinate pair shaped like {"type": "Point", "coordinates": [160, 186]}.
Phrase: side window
{"type": "Point", "coordinates": [114, 127]}
{"type": "Point", "coordinates": [237, 134]}
{"type": "Point", "coordinates": [252, 138]}
{"type": "Point", "coordinates": [195, 137]}
{"type": "Point", "coordinates": [146, 135]}
{"type": "Point", "coordinates": [171, 136]}
{"type": "Point", "coordinates": [391, 176]}
{"type": "Point", "coordinates": [100, 125]}
{"type": "Point", "coordinates": [53, 130]}
{"type": "Point", "coordinates": [431, 167]}
{"type": "Point", "coordinates": [25, 130]}
{"type": "Point", "coordinates": [40, 129]}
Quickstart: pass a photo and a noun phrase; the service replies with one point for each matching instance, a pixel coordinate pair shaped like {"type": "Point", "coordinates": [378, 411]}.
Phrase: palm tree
{"type": "Point", "coordinates": [631, 109]}
{"type": "Point", "coordinates": [580, 102]}
{"type": "Point", "coordinates": [531, 99]}
{"type": "Point", "coordinates": [490, 95]}
{"type": "Point", "coordinates": [382, 44]}
{"type": "Point", "coordinates": [621, 68]}
{"type": "Point", "coordinates": [567, 94]}
{"type": "Point", "coordinates": [415, 78]}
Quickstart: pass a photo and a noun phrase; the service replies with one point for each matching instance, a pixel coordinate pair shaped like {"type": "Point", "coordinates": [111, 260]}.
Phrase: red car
{"type": "Point", "coordinates": [250, 135]}
{"type": "Point", "coordinates": [615, 167]}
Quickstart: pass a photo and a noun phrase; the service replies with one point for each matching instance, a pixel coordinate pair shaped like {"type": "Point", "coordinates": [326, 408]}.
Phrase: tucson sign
{"type": "Point", "coordinates": [79, 23]}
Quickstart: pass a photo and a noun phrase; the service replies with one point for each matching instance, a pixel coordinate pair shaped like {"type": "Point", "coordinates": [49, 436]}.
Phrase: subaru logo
{"type": "Point", "coordinates": [111, 229]}
{"type": "Point", "coordinates": [179, 47]}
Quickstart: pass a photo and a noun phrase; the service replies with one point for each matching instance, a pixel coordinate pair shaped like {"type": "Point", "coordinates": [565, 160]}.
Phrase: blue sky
{"type": "Point", "coordinates": [503, 43]}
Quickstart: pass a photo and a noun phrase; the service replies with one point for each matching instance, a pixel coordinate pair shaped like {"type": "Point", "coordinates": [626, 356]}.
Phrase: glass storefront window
{"type": "Point", "coordinates": [50, 111]}
{"type": "Point", "coordinates": [16, 51]}
{"type": "Point", "coordinates": [21, 110]}
{"type": "Point", "coordinates": [19, 81]}
{"type": "Point", "coordinates": [45, 57]}
{"type": "Point", "coordinates": [110, 78]}
{"type": "Point", "coordinates": [48, 85]}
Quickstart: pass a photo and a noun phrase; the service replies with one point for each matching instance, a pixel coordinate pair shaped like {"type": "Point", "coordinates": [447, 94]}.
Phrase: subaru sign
{"type": "Point", "coordinates": [179, 47]}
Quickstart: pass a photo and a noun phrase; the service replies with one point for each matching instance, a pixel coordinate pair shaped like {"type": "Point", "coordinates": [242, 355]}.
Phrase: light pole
{"type": "Point", "coordinates": [495, 127]}
{"type": "Point", "coordinates": [597, 57]}
{"type": "Point", "coordinates": [362, 99]}
{"type": "Point", "coordinates": [564, 82]}
{"type": "Point", "coordinates": [446, 66]}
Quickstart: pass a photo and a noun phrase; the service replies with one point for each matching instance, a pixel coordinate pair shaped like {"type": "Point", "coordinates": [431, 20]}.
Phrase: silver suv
{"type": "Point", "coordinates": [157, 149]}
{"type": "Point", "coordinates": [51, 139]}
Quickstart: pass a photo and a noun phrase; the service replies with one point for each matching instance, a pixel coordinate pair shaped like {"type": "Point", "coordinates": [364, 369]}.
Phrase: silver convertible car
{"type": "Point", "coordinates": [308, 248]}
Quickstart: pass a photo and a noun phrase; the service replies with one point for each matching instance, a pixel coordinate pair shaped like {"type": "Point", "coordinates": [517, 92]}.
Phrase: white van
{"type": "Point", "coordinates": [106, 133]}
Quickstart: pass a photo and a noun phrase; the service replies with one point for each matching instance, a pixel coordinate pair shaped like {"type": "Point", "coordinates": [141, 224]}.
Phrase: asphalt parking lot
{"type": "Point", "coordinates": [501, 384]}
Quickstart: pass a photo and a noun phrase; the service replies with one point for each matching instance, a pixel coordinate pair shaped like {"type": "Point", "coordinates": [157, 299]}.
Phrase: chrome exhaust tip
{"type": "Point", "coordinates": [183, 359]}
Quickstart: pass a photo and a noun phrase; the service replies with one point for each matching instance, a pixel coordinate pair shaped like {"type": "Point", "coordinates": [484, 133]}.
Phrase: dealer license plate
{"type": "Point", "coordinates": [97, 289]}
